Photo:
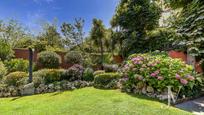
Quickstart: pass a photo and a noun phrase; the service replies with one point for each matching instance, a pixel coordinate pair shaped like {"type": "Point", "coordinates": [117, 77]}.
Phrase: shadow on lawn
{"type": "Point", "coordinates": [141, 96]}
{"type": "Point", "coordinates": [16, 98]}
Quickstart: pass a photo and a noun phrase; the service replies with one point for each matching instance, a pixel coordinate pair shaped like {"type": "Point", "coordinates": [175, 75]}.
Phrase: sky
{"type": "Point", "coordinates": [32, 13]}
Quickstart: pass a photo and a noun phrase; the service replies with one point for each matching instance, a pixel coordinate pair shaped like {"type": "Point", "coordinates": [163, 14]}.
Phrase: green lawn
{"type": "Point", "coordinates": [86, 101]}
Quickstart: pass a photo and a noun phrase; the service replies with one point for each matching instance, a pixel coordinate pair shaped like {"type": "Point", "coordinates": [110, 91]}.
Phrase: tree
{"type": "Point", "coordinates": [50, 36]}
{"type": "Point", "coordinates": [74, 34]}
{"type": "Point", "coordinates": [97, 35]}
{"type": "Point", "coordinates": [12, 31]}
{"type": "Point", "coordinates": [135, 18]}
{"type": "Point", "coordinates": [189, 27]}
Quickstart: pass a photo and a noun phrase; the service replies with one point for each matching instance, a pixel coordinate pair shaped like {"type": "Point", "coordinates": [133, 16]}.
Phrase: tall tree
{"type": "Point", "coordinates": [97, 35]}
{"type": "Point", "coordinates": [73, 33]}
{"type": "Point", "coordinates": [12, 31]}
{"type": "Point", "coordinates": [50, 36]}
{"type": "Point", "coordinates": [135, 18]}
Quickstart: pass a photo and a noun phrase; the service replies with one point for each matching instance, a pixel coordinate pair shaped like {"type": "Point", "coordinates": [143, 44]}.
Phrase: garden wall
{"type": "Point", "coordinates": [24, 54]}
{"type": "Point", "coordinates": [183, 56]}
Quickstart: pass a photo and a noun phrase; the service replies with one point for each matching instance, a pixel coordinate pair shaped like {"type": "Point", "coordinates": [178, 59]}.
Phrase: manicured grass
{"type": "Point", "coordinates": [86, 101]}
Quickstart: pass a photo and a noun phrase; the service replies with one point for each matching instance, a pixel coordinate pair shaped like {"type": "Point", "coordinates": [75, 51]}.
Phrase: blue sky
{"type": "Point", "coordinates": [32, 12]}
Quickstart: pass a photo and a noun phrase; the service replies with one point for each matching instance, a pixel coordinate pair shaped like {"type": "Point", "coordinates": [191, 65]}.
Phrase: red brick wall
{"type": "Point", "coordinates": [183, 56]}
{"type": "Point", "coordinates": [24, 54]}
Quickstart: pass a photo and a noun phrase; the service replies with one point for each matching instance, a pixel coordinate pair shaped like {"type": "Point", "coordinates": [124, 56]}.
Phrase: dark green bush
{"type": "Point", "coordinates": [88, 74]}
{"type": "Point", "coordinates": [73, 57]}
{"type": "Point", "coordinates": [3, 70]}
{"type": "Point", "coordinates": [14, 78]}
{"type": "Point", "coordinates": [49, 59]}
{"type": "Point", "coordinates": [74, 73]}
{"type": "Point", "coordinates": [17, 65]}
{"type": "Point", "coordinates": [106, 80]}
{"type": "Point", "coordinates": [49, 75]}
{"type": "Point", "coordinates": [110, 67]}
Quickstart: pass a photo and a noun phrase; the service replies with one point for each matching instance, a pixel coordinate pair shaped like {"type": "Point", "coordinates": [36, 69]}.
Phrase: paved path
{"type": "Point", "coordinates": [195, 106]}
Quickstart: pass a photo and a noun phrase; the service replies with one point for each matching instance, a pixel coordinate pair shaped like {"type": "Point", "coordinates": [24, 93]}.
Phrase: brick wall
{"type": "Point", "coordinates": [24, 54]}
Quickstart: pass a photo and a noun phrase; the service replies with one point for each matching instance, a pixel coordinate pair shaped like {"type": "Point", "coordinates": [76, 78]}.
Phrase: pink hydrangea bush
{"type": "Point", "coordinates": [158, 72]}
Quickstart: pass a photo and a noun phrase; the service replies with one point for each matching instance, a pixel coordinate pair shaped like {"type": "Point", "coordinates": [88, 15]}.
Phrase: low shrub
{"type": "Point", "coordinates": [158, 72]}
{"type": "Point", "coordinates": [17, 65]}
{"type": "Point", "coordinates": [74, 73]}
{"type": "Point", "coordinates": [49, 75]}
{"type": "Point", "coordinates": [110, 67]}
{"type": "Point", "coordinates": [98, 72]}
{"type": "Point", "coordinates": [3, 70]}
{"type": "Point", "coordinates": [106, 80]}
{"type": "Point", "coordinates": [14, 78]}
{"type": "Point", "coordinates": [73, 57]}
{"type": "Point", "coordinates": [49, 59]}
{"type": "Point", "coordinates": [88, 74]}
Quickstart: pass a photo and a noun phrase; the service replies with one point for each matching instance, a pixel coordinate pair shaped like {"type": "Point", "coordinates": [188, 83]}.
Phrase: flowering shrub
{"type": "Point", "coordinates": [74, 73]}
{"type": "Point", "coordinates": [158, 72]}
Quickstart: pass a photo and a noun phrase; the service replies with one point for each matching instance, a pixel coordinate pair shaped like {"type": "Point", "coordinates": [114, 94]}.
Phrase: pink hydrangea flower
{"type": "Point", "coordinates": [160, 78]}
{"type": "Point", "coordinates": [183, 81]}
{"type": "Point", "coordinates": [178, 76]}
{"type": "Point", "coordinates": [191, 78]}
{"type": "Point", "coordinates": [153, 74]}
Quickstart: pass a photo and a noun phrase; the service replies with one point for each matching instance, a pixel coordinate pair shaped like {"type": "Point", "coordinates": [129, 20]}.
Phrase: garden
{"type": "Point", "coordinates": [125, 69]}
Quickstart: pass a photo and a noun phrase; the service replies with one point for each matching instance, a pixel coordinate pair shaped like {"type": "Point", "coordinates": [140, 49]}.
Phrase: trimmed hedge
{"type": "Point", "coordinates": [14, 78]}
{"type": "Point", "coordinates": [49, 59]}
{"type": "Point", "coordinates": [73, 57]}
{"type": "Point", "coordinates": [106, 80]}
{"type": "Point", "coordinates": [49, 75]}
{"type": "Point", "coordinates": [98, 72]}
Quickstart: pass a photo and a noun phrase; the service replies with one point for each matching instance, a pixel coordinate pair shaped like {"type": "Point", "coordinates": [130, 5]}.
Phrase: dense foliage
{"type": "Point", "coordinates": [189, 27]}
{"type": "Point", "coordinates": [49, 59]}
{"type": "Point", "coordinates": [135, 18]}
{"type": "Point", "coordinates": [6, 51]}
{"type": "Point", "coordinates": [106, 80]}
{"type": "Point", "coordinates": [3, 70]}
{"type": "Point", "coordinates": [14, 78]}
{"type": "Point", "coordinates": [49, 75]}
{"type": "Point", "coordinates": [17, 65]}
{"type": "Point", "coordinates": [88, 74]}
{"type": "Point", "coordinates": [158, 72]}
